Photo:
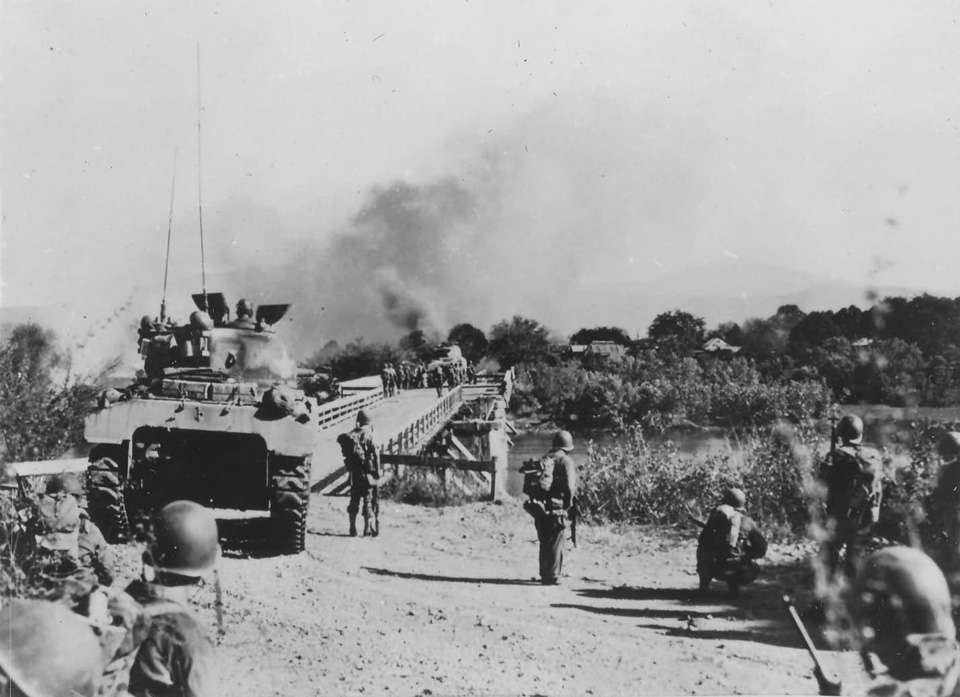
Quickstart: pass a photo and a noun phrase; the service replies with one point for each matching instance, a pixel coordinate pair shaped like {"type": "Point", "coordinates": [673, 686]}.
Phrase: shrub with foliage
{"type": "Point", "coordinates": [635, 481]}
{"type": "Point", "coordinates": [41, 415]}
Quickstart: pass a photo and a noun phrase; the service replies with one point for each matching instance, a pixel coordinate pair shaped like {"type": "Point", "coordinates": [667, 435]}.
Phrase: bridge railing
{"type": "Point", "coordinates": [427, 424]}
{"type": "Point", "coordinates": [345, 408]}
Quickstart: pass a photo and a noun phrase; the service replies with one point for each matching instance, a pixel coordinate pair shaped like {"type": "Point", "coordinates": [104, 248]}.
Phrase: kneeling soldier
{"type": "Point", "coordinates": [729, 544]}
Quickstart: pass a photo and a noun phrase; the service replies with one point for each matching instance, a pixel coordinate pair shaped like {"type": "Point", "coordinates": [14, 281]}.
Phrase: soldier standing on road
{"type": "Point", "coordinates": [552, 493]}
{"type": "Point", "coordinates": [900, 604]}
{"type": "Point", "coordinates": [437, 375]}
{"type": "Point", "coordinates": [177, 657]}
{"type": "Point", "coordinates": [729, 545]}
{"type": "Point", "coordinates": [852, 474]}
{"type": "Point", "coordinates": [362, 460]}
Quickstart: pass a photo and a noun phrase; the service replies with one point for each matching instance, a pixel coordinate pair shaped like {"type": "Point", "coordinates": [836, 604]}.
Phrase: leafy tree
{"type": "Point", "coordinates": [359, 359]}
{"type": "Point", "coordinates": [519, 340]}
{"type": "Point", "coordinates": [614, 334]}
{"type": "Point", "coordinates": [42, 415]}
{"type": "Point", "coordinates": [471, 340]}
{"type": "Point", "coordinates": [815, 328]}
{"type": "Point", "coordinates": [678, 328]}
{"type": "Point", "coordinates": [417, 343]}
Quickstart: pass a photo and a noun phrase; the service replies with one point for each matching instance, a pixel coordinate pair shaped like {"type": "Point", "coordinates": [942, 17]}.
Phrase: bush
{"type": "Point", "coordinates": [427, 486]}
{"type": "Point", "coordinates": [651, 392]}
{"type": "Point", "coordinates": [634, 481]}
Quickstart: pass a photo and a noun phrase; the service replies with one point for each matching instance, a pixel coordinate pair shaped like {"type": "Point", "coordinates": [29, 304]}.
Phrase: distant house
{"type": "Point", "coordinates": [718, 347]}
{"type": "Point", "coordinates": [862, 343]}
{"type": "Point", "coordinates": [607, 349]}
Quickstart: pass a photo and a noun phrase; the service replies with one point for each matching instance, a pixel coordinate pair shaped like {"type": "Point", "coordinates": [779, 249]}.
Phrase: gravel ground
{"type": "Point", "coordinates": [445, 602]}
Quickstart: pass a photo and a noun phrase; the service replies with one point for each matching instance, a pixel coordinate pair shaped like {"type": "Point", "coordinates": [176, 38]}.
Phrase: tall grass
{"type": "Point", "coordinates": [635, 481]}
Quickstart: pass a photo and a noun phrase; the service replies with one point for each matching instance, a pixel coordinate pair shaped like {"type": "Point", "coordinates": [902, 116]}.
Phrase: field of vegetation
{"type": "Point", "coordinates": [772, 388]}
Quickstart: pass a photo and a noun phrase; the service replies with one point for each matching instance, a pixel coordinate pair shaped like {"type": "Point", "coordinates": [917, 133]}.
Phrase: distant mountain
{"type": "Point", "coordinates": [729, 290]}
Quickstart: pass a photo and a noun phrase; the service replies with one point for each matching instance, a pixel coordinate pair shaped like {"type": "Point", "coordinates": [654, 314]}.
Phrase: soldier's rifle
{"type": "Point", "coordinates": [828, 685]}
{"type": "Point", "coordinates": [694, 519]}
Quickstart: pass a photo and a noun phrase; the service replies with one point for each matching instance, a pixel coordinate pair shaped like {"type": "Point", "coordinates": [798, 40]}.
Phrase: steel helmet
{"type": "Point", "coordinates": [734, 497]}
{"type": "Point", "coordinates": [562, 440]}
{"type": "Point", "coordinates": [65, 483]}
{"type": "Point", "coordinates": [363, 417]}
{"type": "Point", "coordinates": [47, 651]}
{"type": "Point", "coordinates": [185, 540]}
{"type": "Point", "coordinates": [200, 321]}
{"type": "Point", "coordinates": [949, 446]}
{"type": "Point", "coordinates": [899, 591]}
{"type": "Point", "coordinates": [244, 308]}
{"type": "Point", "coordinates": [850, 429]}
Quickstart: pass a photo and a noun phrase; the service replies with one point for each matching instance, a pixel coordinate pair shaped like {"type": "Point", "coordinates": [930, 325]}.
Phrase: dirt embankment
{"type": "Point", "coordinates": [444, 602]}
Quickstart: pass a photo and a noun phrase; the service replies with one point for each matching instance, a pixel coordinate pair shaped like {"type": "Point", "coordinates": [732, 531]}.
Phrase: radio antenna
{"type": "Point", "coordinates": [203, 272]}
{"type": "Point", "coordinates": [166, 266]}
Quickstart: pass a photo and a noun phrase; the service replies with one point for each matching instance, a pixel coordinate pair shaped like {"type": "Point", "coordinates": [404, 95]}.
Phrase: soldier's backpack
{"type": "Point", "coordinates": [850, 481]}
{"type": "Point", "coordinates": [354, 453]}
{"type": "Point", "coordinates": [538, 477]}
{"type": "Point", "coordinates": [120, 641]}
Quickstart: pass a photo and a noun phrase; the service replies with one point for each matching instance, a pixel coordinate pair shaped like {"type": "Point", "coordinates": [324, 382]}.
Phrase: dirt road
{"type": "Point", "coordinates": [444, 603]}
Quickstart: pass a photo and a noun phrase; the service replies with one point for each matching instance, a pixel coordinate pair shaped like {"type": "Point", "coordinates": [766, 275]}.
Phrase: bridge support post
{"type": "Point", "coordinates": [497, 442]}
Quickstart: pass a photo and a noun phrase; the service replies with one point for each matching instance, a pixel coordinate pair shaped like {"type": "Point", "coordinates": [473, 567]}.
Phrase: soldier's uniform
{"type": "Point", "coordinates": [853, 477]}
{"type": "Point", "coordinates": [177, 657]}
{"type": "Point", "coordinates": [549, 509]}
{"type": "Point", "coordinates": [93, 551]}
{"type": "Point", "coordinates": [901, 608]}
{"type": "Point", "coordinates": [945, 514]}
{"type": "Point", "coordinates": [54, 564]}
{"type": "Point", "coordinates": [729, 545]}
{"type": "Point", "coordinates": [362, 460]}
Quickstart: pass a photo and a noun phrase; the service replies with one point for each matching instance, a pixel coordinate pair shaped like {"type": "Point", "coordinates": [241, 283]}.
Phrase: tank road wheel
{"type": "Point", "coordinates": [289, 501]}
{"type": "Point", "coordinates": [105, 484]}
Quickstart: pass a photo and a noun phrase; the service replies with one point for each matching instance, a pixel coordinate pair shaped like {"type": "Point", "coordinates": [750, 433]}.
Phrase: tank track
{"type": "Point", "coordinates": [107, 505]}
{"type": "Point", "coordinates": [289, 502]}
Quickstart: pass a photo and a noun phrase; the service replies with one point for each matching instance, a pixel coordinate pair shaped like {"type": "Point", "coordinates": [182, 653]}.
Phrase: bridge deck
{"type": "Point", "coordinates": [390, 418]}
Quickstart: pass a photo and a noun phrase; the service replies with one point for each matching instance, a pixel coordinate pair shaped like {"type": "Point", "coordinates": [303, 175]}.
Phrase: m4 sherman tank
{"type": "Point", "coordinates": [215, 417]}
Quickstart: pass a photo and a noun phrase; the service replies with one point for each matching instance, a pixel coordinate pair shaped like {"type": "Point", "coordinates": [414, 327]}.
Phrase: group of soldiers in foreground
{"type": "Point", "coordinates": [74, 633]}
{"type": "Point", "coordinates": [145, 640]}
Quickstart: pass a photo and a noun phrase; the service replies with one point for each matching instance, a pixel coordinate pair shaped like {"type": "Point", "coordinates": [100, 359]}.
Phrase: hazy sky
{"type": "Point", "coordinates": [603, 140]}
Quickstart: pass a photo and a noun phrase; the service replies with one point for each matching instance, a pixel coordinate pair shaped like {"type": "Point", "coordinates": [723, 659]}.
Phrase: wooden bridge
{"type": "Point", "coordinates": [407, 421]}
{"type": "Point", "coordinates": [403, 425]}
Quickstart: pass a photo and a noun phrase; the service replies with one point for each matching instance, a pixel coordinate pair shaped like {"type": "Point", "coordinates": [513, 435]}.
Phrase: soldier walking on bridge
{"type": "Point", "coordinates": [362, 460]}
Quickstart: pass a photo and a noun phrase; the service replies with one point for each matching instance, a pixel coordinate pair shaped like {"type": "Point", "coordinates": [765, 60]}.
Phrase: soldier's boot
{"type": "Point", "coordinates": [367, 530]}
{"type": "Point", "coordinates": [705, 583]}
{"type": "Point", "coordinates": [353, 525]}
{"type": "Point", "coordinates": [376, 525]}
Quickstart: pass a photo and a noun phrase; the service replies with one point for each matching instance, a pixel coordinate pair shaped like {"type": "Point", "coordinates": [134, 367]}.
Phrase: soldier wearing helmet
{"type": "Point", "coordinates": [900, 605]}
{"type": "Point", "coordinates": [244, 319]}
{"type": "Point", "coordinates": [729, 544]}
{"type": "Point", "coordinates": [852, 474]}
{"type": "Point", "coordinates": [177, 656]}
{"type": "Point", "coordinates": [92, 549]}
{"type": "Point", "coordinates": [945, 509]}
{"type": "Point", "coordinates": [361, 457]}
{"type": "Point", "coordinates": [47, 651]}
{"type": "Point", "coordinates": [552, 488]}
